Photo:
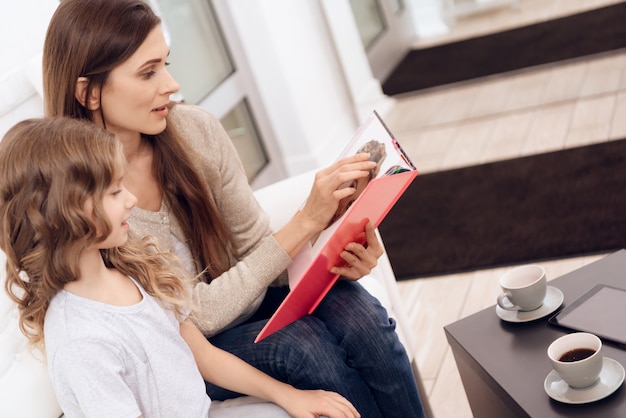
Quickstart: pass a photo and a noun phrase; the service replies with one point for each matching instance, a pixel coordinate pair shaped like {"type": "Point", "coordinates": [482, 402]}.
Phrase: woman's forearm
{"type": "Point", "coordinates": [296, 233]}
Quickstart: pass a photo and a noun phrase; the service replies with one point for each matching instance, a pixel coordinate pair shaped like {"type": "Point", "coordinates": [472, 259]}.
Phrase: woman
{"type": "Point", "coordinates": [105, 61]}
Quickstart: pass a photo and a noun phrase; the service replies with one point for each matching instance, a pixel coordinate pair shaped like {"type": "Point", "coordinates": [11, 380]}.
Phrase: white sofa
{"type": "Point", "coordinates": [26, 391]}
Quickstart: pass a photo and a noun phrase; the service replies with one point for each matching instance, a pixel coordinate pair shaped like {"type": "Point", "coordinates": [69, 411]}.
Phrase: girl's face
{"type": "Point", "coordinates": [135, 96]}
{"type": "Point", "coordinates": [117, 203]}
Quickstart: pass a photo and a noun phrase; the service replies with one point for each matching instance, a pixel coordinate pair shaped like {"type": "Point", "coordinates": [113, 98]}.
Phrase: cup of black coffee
{"type": "Point", "coordinates": [577, 358]}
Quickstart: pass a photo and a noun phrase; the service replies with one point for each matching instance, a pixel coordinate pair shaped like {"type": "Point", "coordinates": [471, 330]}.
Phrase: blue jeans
{"type": "Point", "coordinates": [348, 345]}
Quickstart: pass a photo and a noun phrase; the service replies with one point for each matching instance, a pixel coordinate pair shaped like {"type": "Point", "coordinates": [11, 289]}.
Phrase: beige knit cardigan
{"type": "Point", "coordinates": [262, 260]}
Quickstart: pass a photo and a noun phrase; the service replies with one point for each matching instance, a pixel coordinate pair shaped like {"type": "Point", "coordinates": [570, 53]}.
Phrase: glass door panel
{"type": "Point", "coordinates": [242, 130]}
{"type": "Point", "coordinates": [397, 6]}
{"type": "Point", "coordinates": [199, 58]}
{"type": "Point", "coordinates": [211, 75]}
{"type": "Point", "coordinates": [370, 20]}
{"type": "Point", "coordinates": [386, 32]}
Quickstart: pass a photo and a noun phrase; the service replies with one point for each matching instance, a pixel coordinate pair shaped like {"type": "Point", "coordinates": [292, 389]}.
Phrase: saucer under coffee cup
{"type": "Point", "coordinates": [577, 358]}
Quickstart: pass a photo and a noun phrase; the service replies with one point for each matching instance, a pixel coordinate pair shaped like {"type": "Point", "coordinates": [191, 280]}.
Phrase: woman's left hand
{"type": "Point", "coordinates": [361, 258]}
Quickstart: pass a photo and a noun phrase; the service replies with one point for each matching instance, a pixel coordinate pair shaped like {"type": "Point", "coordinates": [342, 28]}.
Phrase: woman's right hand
{"type": "Point", "coordinates": [329, 188]}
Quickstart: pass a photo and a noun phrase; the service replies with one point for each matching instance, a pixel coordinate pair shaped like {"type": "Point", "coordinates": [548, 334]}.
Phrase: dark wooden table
{"type": "Point", "coordinates": [503, 365]}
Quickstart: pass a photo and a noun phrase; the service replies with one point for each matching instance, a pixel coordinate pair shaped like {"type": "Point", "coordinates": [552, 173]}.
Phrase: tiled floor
{"type": "Point", "coordinates": [531, 111]}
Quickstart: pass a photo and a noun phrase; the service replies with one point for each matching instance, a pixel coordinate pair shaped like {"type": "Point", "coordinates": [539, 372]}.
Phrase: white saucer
{"type": "Point", "coordinates": [611, 378]}
{"type": "Point", "coordinates": [552, 301]}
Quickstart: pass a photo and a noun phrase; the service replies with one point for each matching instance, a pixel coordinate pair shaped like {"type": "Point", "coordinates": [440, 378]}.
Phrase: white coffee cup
{"type": "Point", "coordinates": [571, 359]}
{"type": "Point", "coordinates": [523, 288]}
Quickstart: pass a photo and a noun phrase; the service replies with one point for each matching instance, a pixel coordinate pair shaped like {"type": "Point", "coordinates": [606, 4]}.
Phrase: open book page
{"type": "Point", "coordinates": [374, 138]}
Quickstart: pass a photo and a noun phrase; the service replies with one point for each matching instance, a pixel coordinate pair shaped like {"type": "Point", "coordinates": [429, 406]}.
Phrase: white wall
{"type": "Point", "coordinates": [22, 30]}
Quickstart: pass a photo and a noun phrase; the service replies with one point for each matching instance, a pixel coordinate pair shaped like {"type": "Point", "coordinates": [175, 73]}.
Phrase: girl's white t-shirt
{"type": "Point", "coordinates": [121, 361]}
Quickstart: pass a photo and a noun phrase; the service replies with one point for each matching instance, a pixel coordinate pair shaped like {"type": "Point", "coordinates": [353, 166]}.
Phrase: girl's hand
{"type": "Point", "coordinates": [315, 403]}
{"type": "Point", "coordinates": [329, 188]}
{"type": "Point", "coordinates": [360, 258]}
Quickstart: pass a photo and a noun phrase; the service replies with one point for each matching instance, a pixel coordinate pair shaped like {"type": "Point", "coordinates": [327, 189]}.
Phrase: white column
{"type": "Point", "coordinates": [365, 90]}
{"type": "Point", "coordinates": [20, 66]}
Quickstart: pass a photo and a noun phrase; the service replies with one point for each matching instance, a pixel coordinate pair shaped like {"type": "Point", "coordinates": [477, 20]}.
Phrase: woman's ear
{"type": "Point", "coordinates": [92, 102]}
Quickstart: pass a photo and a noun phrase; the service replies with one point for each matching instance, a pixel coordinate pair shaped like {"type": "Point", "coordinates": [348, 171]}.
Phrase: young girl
{"type": "Point", "coordinates": [111, 310]}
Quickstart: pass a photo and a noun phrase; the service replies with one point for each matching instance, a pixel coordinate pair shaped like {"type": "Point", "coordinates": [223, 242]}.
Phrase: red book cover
{"type": "Point", "coordinates": [309, 275]}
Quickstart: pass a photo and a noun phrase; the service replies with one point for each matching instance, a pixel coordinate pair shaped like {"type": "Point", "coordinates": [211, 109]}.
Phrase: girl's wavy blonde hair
{"type": "Point", "coordinates": [49, 168]}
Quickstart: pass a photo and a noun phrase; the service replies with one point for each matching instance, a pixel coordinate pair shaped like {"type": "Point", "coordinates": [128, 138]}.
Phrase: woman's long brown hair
{"type": "Point", "coordinates": [49, 169]}
{"type": "Point", "coordinates": [89, 38]}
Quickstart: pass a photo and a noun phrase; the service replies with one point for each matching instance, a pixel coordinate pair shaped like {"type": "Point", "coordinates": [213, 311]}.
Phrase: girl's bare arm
{"type": "Point", "coordinates": [228, 371]}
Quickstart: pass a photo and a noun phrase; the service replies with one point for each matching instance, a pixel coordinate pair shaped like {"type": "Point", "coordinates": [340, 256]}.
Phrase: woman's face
{"type": "Point", "coordinates": [136, 93]}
